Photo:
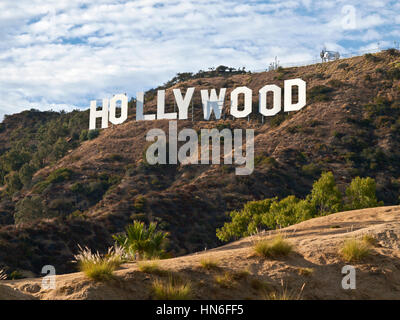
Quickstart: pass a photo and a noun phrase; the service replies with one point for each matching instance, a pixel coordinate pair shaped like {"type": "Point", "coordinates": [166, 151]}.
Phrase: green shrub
{"type": "Point", "coordinates": [139, 203]}
{"type": "Point", "coordinates": [343, 65]}
{"type": "Point", "coordinates": [393, 52]}
{"type": "Point", "coordinates": [334, 83]}
{"type": "Point", "coordinates": [209, 264]}
{"type": "Point", "coordinates": [173, 289]}
{"type": "Point", "coordinates": [361, 193]}
{"type": "Point", "coordinates": [325, 198]}
{"type": "Point", "coordinates": [310, 169]}
{"type": "Point", "coordinates": [13, 183]}
{"type": "Point", "coordinates": [265, 161]}
{"type": "Point", "coordinates": [245, 222]}
{"type": "Point", "coordinates": [151, 268]}
{"type": "Point", "coordinates": [96, 266]}
{"type": "Point", "coordinates": [16, 275]}
{"type": "Point", "coordinates": [273, 248]}
{"type": "Point", "coordinates": [277, 120]}
{"type": "Point", "coordinates": [325, 195]}
{"type": "Point", "coordinates": [83, 135]}
{"type": "Point", "coordinates": [354, 250]}
{"type": "Point", "coordinates": [59, 175]}
{"type": "Point", "coordinates": [371, 57]}
{"type": "Point", "coordinates": [140, 241]}
{"type": "Point", "coordinates": [319, 93]}
{"type": "Point", "coordinates": [115, 157]}
{"type": "Point", "coordinates": [77, 187]}
{"type": "Point", "coordinates": [30, 209]}
{"type": "Point", "coordinates": [92, 134]}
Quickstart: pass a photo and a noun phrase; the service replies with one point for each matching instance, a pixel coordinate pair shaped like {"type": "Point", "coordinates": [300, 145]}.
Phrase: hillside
{"type": "Point", "coordinates": [93, 188]}
{"type": "Point", "coordinates": [316, 245]}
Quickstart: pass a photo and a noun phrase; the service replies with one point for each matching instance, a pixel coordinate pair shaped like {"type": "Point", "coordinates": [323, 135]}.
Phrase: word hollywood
{"type": "Point", "coordinates": [211, 102]}
{"type": "Point", "coordinates": [188, 153]}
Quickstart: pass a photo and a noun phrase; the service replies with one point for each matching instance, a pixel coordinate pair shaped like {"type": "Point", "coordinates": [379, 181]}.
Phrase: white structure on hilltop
{"type": "Point", "coordinates": [329, 55]}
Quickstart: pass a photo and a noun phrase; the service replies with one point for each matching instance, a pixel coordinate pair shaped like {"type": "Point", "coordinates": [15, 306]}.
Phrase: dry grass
{"type": "Point", "coordinates": [305, 271]}
{"type": "Point", "coordinates": [260, 285]}
{"type": "Point", "coordinates": [226, 280]}
{"type": "Point", "coordinates": [152, 268]}
{"type": "Point", "coordinates": [273, 248]}
{"type": "Point", "coordinates": [370, 240]}
{"type": "Point", "coordinates": [172, 289]}
{"type": "Point", "coordinates": [285, 294]}
{"type": "Point", "coordinates": [354, 250]}
{"type": "Point", "coordinates": [96, 266]}
{"type": "Point", "coordinates": [3, 275]}
{"type": "Point", "coordinates": [209, 264]}
{"type": "Point", "coordinates": [239, 275]}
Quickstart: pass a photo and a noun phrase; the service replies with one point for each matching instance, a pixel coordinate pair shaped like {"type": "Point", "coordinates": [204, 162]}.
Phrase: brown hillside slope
{"type": "Point", "coordinates": [316, 244]}
{"type": "Point", "coordinates": [350, 126]}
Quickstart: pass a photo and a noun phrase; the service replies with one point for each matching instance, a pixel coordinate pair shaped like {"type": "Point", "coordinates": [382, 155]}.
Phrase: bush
{"type": "Point", "coordinates": [325, 195]}
{"type": "Point", "coordinates": [140, 241]}
{"type": "Point", "coordinates": [30, 209]}
{"type": "Point", "coordinates": [343, 65]}
{"type": "Point", "coordinates": [354, 250]}
{"type": "Point", "coordinates": [97, 267]}
{"type": "Point", "coordinates": [286, 212]}
{"type": "Point", "coordinates": [245, 222]}
{"type": "Point", "coordinates": [13, 183]}
{"type": "Point", "coordinates": [26, 173]}
{"type": "Point", "coordinates": [173, 289]}
{"type": "Point", "coordinates": [225, 280]}
{"type": "Point", "coordinates": [361, 193]}
{"type": "Point", "coordinates": [310, 169]}
{"type": "Point", "coordinates": [273, 248]}
{"type": "Point", "coordinates": [371, 57]}
{"type": "Point", "coordinates": [319, 93]}
{"type": "Point", "coordinates": [59, 175]}
{"type": "Point", "coordinates": [83, 135]}
{"type": "Point", "coordinates": [393, 52]}
{"type": "Point", "coordinates": [209, 264]}
{"type": "Point", "coordinates": [92, 134]}
{"type": "Point", "coordinates": [152, 268]}
{"type": "Point", "coordinates": [325, 198]}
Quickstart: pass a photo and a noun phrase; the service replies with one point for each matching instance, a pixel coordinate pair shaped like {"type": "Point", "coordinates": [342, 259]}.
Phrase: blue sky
{"type": "Point", "coordinates": [62, 54]}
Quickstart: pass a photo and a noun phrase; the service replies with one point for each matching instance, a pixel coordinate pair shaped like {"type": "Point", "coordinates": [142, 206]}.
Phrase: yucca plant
{"type": "Point", "coordinates": [140, 241]}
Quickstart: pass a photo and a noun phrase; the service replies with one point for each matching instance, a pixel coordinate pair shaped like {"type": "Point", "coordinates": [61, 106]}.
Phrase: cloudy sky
{"type": "Point", "coordinates": [61, 54]}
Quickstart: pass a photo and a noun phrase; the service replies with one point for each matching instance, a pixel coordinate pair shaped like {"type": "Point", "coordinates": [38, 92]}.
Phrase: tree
{"type": "Point", "coordinates": [30, 209]}
{"type": "Point", "coordinates": [361, 193]}
{"type": "Point", "coordinates": [13, 183]}
{"type": "Point", "coordinates": [247, 221]}
{"type": "Point", "coordinates": [26, 173]}
{"type": "Point", "coordinates": [325, 195]}
{"type": "Point", "coordinates": [139, 241]}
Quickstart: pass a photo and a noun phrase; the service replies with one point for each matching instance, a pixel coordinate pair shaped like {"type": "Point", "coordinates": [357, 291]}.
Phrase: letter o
{"type": "Point", "coordinates": [247, 102]}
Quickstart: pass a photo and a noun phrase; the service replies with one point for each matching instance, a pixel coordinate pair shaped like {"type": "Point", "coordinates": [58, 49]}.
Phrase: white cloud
{"type": "Point", "coordinates": [67, 52]}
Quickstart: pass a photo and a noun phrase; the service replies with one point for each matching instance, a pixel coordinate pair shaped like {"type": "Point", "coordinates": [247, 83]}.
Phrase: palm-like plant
{"type": "Point", "coordinates": [139, 241]}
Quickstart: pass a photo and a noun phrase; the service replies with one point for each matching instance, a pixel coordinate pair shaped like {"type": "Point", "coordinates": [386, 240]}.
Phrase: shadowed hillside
{"type": "Point", "coordinates": [89, 187]}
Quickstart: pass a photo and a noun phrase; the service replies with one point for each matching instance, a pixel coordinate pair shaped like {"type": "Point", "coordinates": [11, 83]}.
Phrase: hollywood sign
{"type": "Point", "coordinates": [211, 102]}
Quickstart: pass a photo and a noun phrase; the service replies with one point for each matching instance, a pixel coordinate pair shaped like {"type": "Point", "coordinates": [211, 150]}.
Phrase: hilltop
{"type": "Point", "coordinates": [314, 265]}
{"type": "Point", "coordinates": [84, 189]}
